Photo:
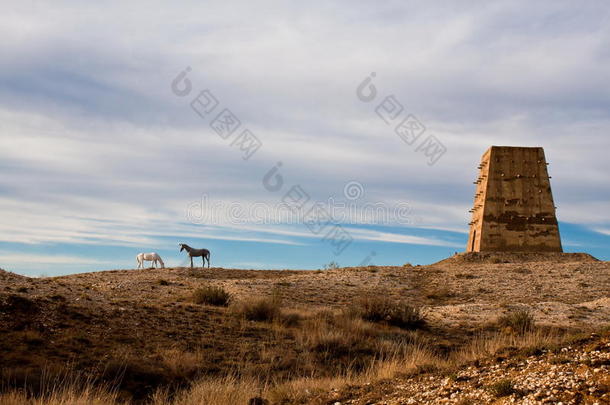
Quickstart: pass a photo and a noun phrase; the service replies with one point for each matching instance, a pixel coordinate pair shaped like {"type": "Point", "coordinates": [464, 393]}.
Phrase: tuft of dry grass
{"type": "Point", "coordinates": [520, 321]}
{"type": "Point", "coordinates": [31, 337]}
{"type": "Point", "coordinates": [290, 318]}
{"type": "Point", "coordinates": [266, 309]}
{"type": "Point", "coordinates": [228, 390]}
{"type": "Point", "coordinates": [64, 396]}
{"type": "Point", "coordinates": [438, 293]}
{"type": "Point", "coordinates": [66, 388]}
{"type": "Point", "coordinates": [212, 295]}
{"type": "Point", "coordinates": [377, 308]}
{"type": "Point", "coordinates": [482, 347]}
{"type": "Point", "coordinates": [502, 388]}
{"type": "Point", "coordinates": [182, 363]}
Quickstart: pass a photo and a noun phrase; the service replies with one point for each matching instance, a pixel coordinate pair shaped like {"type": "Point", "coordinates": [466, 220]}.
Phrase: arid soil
{"type": "Point", "coordinates": [577, 373]}
{"type": "Point", "coordinates": [128, 324]}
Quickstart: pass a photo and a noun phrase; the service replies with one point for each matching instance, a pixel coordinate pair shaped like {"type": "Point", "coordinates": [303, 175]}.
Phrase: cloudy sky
{"type": "Point", "coordinates": [102, 154]}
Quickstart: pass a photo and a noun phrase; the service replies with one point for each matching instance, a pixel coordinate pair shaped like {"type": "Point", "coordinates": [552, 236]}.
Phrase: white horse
{"type": "Point", "coordinates": [149, 257]}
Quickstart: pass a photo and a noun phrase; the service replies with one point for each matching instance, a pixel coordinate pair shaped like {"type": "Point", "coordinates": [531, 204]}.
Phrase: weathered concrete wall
{"type": "Point", "coordinates": [513, 205]}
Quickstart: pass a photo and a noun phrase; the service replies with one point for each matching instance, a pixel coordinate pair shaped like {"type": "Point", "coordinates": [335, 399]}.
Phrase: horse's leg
{"type": "Point", "coordinates": [191, 261]}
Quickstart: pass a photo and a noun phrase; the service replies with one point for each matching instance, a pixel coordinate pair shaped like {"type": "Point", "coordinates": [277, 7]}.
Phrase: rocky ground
{"type": "Point", "coordinates": [574, 374]}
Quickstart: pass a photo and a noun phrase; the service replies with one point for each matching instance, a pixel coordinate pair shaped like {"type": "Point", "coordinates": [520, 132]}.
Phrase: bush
{"type": "Point", "coordinates": [502, 388]}
{"type": "Point", "coordinates": [520, 321]}
{"type": "Point", "coordinates": [290, 319]}
{"type": "Point", "coordinates": [441, 293]}
{"type": "Point", "coordinates": [331, 266]}
{"type": "Point", "coordinates": [260, 309]}
{"type": "Point", "coordinates": [400, 314]}
{"type": "Point", "coordinates": [406, 317]}
{"type": "Point", "coordinates": [212, 295]}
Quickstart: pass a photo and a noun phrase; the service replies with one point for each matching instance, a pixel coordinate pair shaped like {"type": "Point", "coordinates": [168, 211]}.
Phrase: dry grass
{"type": "Point", "coordinates": [378, 308]}
{"type": "Point", "coordinates": [65, 389]}
{"type": "Point", "coordinates": [266, 309]}
{"type": "Point", "coordinates": [502, 388]}
{"type": "Point", "coordinates": [212, 295]}
{"type": "Point", "coordinates": [407, 360]}
{"type": "Point", "coordinates": [64, 396]}
{"type": "Point", "coordinates": [520, 321]}
{"type": "Point", "coordinates": [182, 363]}
{"type": "Point", "coordinates": [228, 390]}
{"type": "Point", "coordinates": [482, 347]}
{"type": "Point", "coordinates": [316, 335]}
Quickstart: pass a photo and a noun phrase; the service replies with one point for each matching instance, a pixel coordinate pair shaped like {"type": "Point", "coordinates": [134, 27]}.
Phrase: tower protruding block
{"type": "Point", "coordinates": [513, 205]}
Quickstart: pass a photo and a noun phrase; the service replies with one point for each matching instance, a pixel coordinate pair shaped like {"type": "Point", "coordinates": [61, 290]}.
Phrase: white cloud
{"type": "Point", "coordinates": [94, 147]}
{"type": "Point", "coordinates": [8, 259]}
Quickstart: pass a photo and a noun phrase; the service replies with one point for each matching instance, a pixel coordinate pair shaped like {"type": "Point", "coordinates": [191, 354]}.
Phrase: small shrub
{"type": "Point", "coordinates": [290, 319]}
{"type": "Point", "coordinates": [283, 284]}
{"type": "Point", "coordinates": [381, 309]}
{"type": "Point", "coordinates": [374, 309]}
{"type": "Point", "coordinates": [17, 303]}
{"type": "Point", "coordinates": [466, 276]}
{"type": "Point", "coordinates": [440, 293]}
{"type": "Point", "coordinates": [181, 363]}
{"type": "Point", "coordinates": [212, 295]}
{"type": "Point", "coordinates": [427, 368]}
{"type": "Point", "coordinates": [520, 321]}
{"type": "Point", "coordinates": [258, 401]}
{"type": "Point", "coordinates": [406, 317]}
{"type": "Point", "coordinates": [32, 337]}
{"type": "Point", "coordinates": [260, 309]}
{"type": "Point", "coordinates": [331, 266]}
{"type": "Point", "coordinates": [502, 388]}
{"type": "Point", "coordinates": [522, 270]}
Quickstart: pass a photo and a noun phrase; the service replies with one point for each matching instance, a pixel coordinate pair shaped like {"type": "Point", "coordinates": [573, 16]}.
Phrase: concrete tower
{"type": "Point", "coordinates": [513, 205]}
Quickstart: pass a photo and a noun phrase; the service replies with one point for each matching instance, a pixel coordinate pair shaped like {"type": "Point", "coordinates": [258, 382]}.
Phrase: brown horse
{"type": "Point", "coordinates": [203, 253]}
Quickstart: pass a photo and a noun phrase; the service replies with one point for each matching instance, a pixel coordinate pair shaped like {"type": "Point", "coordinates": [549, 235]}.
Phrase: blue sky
{"type": "Point", "coordinates": [100, 159]}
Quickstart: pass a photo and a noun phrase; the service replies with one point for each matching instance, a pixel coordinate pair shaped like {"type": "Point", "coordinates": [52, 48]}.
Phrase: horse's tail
{"type": "Point", "coordinates": [161, 261]}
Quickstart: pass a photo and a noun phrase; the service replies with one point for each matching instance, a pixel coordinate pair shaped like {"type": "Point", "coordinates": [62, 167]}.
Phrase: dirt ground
{"type": "Point", "coordinates": [99, 321]}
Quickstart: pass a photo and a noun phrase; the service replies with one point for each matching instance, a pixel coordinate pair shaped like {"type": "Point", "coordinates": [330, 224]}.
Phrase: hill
{"type": "Point", "coordinates": [149, 333]}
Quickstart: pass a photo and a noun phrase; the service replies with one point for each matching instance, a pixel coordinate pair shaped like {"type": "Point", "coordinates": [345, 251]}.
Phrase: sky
{"type": "Point", "coordinates": [128, 128]}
